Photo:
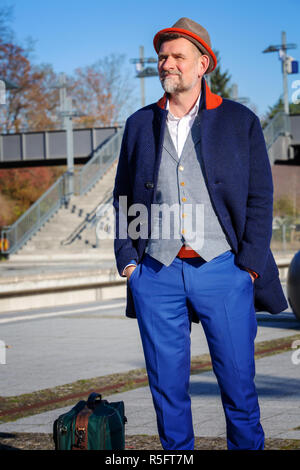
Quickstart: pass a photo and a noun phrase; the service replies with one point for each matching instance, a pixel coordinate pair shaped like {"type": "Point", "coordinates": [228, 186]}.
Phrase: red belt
{"type": "Point", "coordinates": [187, 252]}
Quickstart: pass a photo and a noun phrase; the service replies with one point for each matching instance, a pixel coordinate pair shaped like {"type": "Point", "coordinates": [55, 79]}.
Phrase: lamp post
{"type": "Point", "coordinates": [285, 59]}
{"type": "Point", "coordinates": [66, 115]}
{"type": "Point", "coordinates": [66, 112]}
{"type": "Point", "coordinates": [143, 72]}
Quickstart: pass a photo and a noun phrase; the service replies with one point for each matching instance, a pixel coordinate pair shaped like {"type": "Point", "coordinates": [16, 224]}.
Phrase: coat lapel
{"type": "Point", "coordinates": [159, 125]}
{"type": "Point", "coordinates": [206, 130]}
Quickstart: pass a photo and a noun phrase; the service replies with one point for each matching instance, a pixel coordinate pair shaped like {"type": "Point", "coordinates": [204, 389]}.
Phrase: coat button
{"type": "Point", "coordinates": [149, 185]}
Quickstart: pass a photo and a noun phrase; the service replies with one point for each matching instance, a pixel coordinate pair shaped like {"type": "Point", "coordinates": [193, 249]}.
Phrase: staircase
{"type": "Point", "coordinates": [64, 220]}
{"type": "Point", "coordinates": [71, 232]}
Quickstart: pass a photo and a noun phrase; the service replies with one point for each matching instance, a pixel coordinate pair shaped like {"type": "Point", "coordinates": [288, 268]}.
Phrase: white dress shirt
{"type": "Point", "coordinates": [179, 129]}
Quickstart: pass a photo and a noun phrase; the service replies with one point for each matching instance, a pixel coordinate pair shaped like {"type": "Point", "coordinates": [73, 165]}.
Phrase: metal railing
{"type": "Point", "coordinates": [98, 164]}
{"type": "Point", "coordinates": [279, 125]}
{"type": "Point", "coordinates": [14, 236]}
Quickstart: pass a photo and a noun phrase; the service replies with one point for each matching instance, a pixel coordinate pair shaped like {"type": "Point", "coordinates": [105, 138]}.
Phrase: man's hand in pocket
{"type": "Point", "coordinates": [129, 270]}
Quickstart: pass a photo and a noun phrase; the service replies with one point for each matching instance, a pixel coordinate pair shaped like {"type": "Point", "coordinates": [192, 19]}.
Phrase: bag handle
{"type": "Point", "coordinates": [94, 400]}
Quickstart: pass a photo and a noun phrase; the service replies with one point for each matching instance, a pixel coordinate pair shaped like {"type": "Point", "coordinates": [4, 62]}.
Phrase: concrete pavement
{"type": "Point", "coordinates": [50, 347]}
{"type": "Point", "coordinates": [277, 381]}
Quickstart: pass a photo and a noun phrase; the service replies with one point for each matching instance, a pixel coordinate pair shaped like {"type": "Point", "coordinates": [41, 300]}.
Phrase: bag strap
{"type": "Point", "coordinates": [81, 429]}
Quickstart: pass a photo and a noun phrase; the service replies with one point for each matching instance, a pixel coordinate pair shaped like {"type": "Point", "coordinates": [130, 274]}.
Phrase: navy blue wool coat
{"type": "Point", "coordinates": [238, 177]}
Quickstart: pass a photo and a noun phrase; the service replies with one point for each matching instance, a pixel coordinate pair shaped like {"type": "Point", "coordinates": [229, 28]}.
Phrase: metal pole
{"type": "Point", "coordinates": [284, 73]}
{"type": "Point", "coordinates": [70, 152]}
{"type": "Point", "coordinates": [142, 78]}
{"type": "Point", "coordinates": [66, 112]}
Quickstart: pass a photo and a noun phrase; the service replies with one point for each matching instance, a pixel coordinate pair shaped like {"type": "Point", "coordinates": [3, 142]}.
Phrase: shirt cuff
{"type": "Point", "coordinates": [131, 263]}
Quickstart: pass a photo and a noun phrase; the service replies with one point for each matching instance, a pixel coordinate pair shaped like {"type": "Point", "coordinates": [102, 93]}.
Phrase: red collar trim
{"type": "Point", "coordinates": [212, 100]}
{"type": "Point", "coordinates": [162, 102]}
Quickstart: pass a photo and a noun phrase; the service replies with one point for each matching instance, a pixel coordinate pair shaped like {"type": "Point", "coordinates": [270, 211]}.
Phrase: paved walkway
{"type": "Point", "coordinates": [52, 347]}
{"type": "Point", "coordinates": [278, 385]}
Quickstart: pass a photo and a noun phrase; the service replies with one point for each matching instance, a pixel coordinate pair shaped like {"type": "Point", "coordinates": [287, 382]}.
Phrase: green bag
{"type": "Point", "coordinates": [94, 424]}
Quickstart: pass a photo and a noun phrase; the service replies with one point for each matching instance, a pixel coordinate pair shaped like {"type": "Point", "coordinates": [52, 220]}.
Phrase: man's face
{"type": "Point", "coordinates": [180, 65]}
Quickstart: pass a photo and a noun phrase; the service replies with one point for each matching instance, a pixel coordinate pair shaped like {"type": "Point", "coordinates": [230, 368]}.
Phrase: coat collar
{"type": "Point", "coordinates": [209, 100]}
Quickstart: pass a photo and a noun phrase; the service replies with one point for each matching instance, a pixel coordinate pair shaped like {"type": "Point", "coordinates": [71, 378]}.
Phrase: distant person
{"type": "Point", "coordinates": [205, 158]}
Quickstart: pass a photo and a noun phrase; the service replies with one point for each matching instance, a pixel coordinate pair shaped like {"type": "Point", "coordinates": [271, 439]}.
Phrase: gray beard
{"type": "Point", "coordinates": [170, 86]}
{"type": "Point", "coordinates": [177, 86]}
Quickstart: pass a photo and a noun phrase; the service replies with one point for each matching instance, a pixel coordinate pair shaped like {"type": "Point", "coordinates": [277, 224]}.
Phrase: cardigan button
{"type": "Point", "coordinates": [149, 185]}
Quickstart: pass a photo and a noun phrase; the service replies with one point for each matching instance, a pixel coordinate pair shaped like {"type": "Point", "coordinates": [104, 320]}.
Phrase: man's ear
{"type": "Point", "coordinates": [203, 64]}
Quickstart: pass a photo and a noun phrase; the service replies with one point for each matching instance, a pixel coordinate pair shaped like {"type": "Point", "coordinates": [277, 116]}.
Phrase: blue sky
{"type": "Point", "coordinates": [74, 33]}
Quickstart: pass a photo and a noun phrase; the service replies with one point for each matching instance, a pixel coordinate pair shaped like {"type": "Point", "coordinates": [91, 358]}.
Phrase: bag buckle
{"type": "Point", "coordinates": [79, 433]}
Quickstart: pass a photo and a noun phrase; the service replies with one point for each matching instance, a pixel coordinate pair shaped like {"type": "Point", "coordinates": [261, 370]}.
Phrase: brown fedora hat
{"type": "Point", "coordinates": [192, 31]}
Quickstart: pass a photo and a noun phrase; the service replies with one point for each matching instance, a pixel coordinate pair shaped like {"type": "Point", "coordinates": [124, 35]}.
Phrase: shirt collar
{"type": "Point", "coordinates": [192, 113]}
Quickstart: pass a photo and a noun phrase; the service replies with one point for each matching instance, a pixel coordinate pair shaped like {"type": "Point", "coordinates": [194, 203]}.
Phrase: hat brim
{"type": "Point", "coordinates": [194, 38]}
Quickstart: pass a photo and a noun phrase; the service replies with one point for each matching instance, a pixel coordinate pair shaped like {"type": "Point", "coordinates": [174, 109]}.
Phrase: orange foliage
{"type": "Point", "coordinates": [7, 215]}
{"type": "Point", "coordinates": [100, 92]}
{"type": "Point", "coordinates": [20, 187]}
{"type": "Point", "coordinates": [90, 90]}
{"type": "Point", "coordinates": [32, 104]}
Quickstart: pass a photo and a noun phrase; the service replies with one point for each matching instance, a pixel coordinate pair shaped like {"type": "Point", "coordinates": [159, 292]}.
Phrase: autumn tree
{"type": "Point", "coordinates": [21, 187]}
{"type": "Point", "coordinates": [32, 105]}
{"type": "Point", "coordinates": [102, 92]}
{"type": "Point", "coordinates": [43, 96]}
{"type": "Point", "coordinates": [7, 216]}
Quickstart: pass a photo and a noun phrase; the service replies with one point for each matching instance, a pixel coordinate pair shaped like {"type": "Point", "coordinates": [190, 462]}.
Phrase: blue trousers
{"type": "Point", "coordinates": [221, 293]}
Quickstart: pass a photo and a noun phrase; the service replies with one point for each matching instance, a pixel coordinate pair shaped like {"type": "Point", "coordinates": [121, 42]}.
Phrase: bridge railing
{"type": "Point", "coordinates": [14, 236]}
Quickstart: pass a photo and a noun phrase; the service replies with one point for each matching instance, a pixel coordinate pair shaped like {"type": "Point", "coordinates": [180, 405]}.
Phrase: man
{"type": "Point", "coordinates": [205, 159]}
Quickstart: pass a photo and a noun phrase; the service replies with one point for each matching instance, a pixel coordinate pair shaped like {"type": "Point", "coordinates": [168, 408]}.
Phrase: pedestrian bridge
{"type": "Point", "coordinates": [50, 147]}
